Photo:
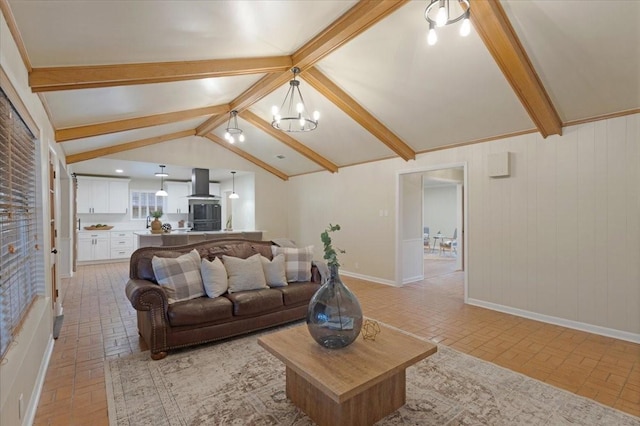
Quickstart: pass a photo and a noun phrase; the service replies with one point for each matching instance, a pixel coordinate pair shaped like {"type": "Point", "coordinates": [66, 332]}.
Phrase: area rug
{"type": "Point", "coordinates": [237, 382]}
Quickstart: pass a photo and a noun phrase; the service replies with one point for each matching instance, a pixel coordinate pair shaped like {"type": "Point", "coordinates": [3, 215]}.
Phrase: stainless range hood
{"type": "Point", "coordinates": [200, 185]}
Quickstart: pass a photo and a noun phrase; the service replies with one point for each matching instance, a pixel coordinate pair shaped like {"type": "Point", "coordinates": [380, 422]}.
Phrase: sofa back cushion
{"type": "Point", "coordinates": [140, 266]}
{"type": "Point", "coordinates": [180, 277]}
{"type": "Point", "coordinates": [244, 274]}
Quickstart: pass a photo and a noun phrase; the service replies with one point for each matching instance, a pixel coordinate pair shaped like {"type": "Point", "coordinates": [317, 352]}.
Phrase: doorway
{"type": "Point", "coordinates": [412, 204]}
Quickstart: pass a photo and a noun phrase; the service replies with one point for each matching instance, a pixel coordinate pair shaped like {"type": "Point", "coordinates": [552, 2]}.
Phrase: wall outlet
{"type": "Point", "coordinates": [20, 407]}
{"type": "Point", "coordinates": [357, 265]}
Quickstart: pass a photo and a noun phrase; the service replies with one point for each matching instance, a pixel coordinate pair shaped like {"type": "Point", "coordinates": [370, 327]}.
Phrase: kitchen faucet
{"type": "Point", "coordinates": [148, 222]}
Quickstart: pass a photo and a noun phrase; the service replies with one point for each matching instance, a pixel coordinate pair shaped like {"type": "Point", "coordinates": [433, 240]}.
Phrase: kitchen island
{"type": "Point", "coordinates": [175, 238]}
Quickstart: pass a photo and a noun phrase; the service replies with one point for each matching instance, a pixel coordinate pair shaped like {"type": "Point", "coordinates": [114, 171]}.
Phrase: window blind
{"type": "Point", "coordinates": [19, 266]}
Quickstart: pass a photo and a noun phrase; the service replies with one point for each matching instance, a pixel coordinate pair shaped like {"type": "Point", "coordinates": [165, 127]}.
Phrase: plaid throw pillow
{"type": "Point", "coordinates": [180, 277]}
{"type": "Point", "coordinates": [297, 262]}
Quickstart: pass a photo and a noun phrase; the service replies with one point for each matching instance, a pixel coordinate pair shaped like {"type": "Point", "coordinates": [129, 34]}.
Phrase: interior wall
{"type": "Point", "coordinates": [23, 367]}
{"type": "Point", "coordinates": [440, 209]}
{"type": "Point", "coordinates": [412, 247]}
{"type": "Point", "coordinates": [559, 238]}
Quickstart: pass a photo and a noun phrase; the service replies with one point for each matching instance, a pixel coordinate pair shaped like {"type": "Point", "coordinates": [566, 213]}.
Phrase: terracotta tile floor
{"type": "Point", "coordinates": [100, 324]}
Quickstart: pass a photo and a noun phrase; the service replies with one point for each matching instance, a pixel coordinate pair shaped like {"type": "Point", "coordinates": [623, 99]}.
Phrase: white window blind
{"type": "Point", "coordinates": [19, 265]}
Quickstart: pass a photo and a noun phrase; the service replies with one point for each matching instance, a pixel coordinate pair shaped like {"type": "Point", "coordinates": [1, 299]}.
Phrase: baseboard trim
{"type": "Point", "coordinates": [30, 414]}
{"type": "Point", "coordinates": [367, 278]}
{"type": "Point", "coordinates": [576, 325]}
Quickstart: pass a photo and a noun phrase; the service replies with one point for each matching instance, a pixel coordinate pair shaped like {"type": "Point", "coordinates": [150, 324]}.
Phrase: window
{"type": "Point", "coordinates": [143, 203]}
{"type": "Point", "coordinates": [20, 281]}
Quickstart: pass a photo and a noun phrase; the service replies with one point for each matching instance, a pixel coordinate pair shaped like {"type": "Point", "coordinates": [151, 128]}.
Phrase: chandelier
{"type": "Point", "coordinates": [440, 13]}
{"type": "Point", "coordinates": [232, 131]}
{"type": "Point", "coordinates": [162, 174]}
{"type": "Point", "coordinates": [293, 116]}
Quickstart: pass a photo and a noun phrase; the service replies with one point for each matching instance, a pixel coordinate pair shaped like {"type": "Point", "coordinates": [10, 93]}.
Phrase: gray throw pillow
{"type": "Point", "coordinates": [244, 274]}
{"type": "Point", "coordinates": [274, 271]}
{"type": "Point", "coordinates": [180, 277]}
{"type": "Point", "coordinates": [214, 277]}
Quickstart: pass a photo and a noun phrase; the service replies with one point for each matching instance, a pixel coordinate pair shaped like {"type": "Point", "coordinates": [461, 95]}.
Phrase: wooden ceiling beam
{"type": "Point", "coordinates": [259, 90]}
{"type": "Point", "coordinates": [354, 22]}
{"type": "Point", "coordinates": [490, 21]}
{"type": "Point", "coordinates": [288, 140]}
{"type": "Point", "coordinates": [85, 77]}
{"type": "Point", "coordinates": [247, 156]}
{"type": "Point", "coordinates": [354, 110]}
{"type": "Point", "coordinates": [72, 133]}
{"type": "Point", "coordinates": [89, 155]}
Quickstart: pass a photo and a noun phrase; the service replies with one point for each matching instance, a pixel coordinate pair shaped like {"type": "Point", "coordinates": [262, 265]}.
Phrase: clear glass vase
{"type": "Point", "coordinates": [334, 317]}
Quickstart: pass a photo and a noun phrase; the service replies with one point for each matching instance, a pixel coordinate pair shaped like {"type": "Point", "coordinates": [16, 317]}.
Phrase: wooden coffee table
{"type": "Point", "coordinates": [356, 385]}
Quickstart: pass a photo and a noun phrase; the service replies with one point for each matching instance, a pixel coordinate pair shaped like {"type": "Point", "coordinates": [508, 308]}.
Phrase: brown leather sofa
{"type": "Point", "coordinates": [166, 326]}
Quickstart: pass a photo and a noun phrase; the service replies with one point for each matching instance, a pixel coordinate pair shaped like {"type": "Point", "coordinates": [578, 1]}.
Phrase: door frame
{"type": "Point", "coordinates": [462, 234]}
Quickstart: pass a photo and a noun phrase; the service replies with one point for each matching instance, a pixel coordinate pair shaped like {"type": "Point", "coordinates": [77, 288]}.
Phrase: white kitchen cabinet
{"type": "Point", "coordinates": [119, 196]}
{"type": "Point", "coordinates": [121, 243]}
{"type": "Point", "coordinates": [177, 201]}
{"type": "Point", "coordinates": [92, 196]}
{"type": "Point", "coordinates": [102, 195]}
{"type": "Point", "coordinates": [93, 246]}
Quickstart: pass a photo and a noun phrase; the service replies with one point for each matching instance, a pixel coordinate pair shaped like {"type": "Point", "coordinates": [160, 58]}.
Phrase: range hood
{"type": "Point", "coordinates": [200, 185]}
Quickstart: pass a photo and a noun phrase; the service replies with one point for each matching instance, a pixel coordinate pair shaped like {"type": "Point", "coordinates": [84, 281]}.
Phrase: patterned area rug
{"type": "Point", "coordinates": [238, 383]}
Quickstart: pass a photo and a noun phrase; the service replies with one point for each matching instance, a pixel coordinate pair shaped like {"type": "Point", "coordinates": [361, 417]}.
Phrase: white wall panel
{"type": "Point", "coordinates": [567, 225]}
{"type": "Point", "coordinates": [633, 223]}
{"type": "Point", "coordinates": [588, 239]}
{"type": "Point", "coordinates": [617, 244]}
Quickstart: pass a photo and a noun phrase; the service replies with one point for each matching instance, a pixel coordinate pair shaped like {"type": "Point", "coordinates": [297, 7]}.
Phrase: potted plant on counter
{"type": "Point", "coordinates": [156, 225]}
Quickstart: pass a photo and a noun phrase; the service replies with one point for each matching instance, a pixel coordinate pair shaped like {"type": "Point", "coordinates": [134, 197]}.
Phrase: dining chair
{"type": "Point", "coordinates": [425, 237]}
{"type": "Point", "coordinates": [450, 244]}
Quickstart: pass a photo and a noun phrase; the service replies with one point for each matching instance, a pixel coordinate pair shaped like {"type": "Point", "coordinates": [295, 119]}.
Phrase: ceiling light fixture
{"type": "Point", "coordinates": [162, 174]}
{"type": "Point", "coordinates": [233, 195]}
{"type": "Point", "coordinates": [297, 118]}
{"type": "Point", "coordinates": [445, 14]}
{"type": "Point", "coordinates": [231, 132]}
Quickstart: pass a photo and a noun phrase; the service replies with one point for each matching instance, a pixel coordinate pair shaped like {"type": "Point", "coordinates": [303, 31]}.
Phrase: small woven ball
{"type": "Point", "coordinates": [166, 227]}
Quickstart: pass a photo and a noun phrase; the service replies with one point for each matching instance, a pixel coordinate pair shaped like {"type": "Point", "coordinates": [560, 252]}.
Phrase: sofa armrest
{"type": "Point", "coordinates": [146, 296]}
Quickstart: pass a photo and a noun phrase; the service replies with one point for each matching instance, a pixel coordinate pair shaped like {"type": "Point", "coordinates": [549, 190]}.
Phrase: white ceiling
{"type": "Point", "coordinates": [586, 55]}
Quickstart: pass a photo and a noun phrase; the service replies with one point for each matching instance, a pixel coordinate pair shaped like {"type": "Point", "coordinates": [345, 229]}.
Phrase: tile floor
{"type": "Point", "coordinates": [99, 324]}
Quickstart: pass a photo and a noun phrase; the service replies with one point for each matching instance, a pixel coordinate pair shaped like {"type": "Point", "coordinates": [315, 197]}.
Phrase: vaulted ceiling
{"type": "Point", "coordinates": [116, 76]}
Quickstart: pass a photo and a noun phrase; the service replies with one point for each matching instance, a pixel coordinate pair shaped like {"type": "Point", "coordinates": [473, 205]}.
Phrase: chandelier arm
{"type": "Point", "coordinates": [465, 12]}
{"type": "Point", "coordinates": [304, 107]}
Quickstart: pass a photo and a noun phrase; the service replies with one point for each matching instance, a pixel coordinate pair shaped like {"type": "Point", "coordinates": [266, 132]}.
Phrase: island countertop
{"type": "Point", "coordinates": [181, 237]}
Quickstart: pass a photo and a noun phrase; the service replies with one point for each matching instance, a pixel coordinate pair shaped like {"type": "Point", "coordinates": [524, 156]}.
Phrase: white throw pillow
{"type": "Point", "coordinates": [274, 271]}
{"type": "Point", "coordinates": [297, 262]}
{"type": "Point", "coordinates": [214, 277]}
{"type": "Point", "coordinates": [244, 274]}
{"type": "Point", "coordinates": [179, 277]}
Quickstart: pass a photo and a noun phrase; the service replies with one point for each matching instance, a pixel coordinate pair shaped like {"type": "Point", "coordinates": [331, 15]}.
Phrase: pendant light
{"type": "Point", "coordinates": [293, 115]}
{"type": "Point", "coordinates": [233, 195]}
{"type": "Point", "coordinates": [232, 129]}
{"type": "Point", "coordinates": [445, 12]}
{"type": "Point", "coordinates": [162, 174]}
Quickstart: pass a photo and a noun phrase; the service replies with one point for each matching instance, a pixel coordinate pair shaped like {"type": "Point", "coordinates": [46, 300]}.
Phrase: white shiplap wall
{"type": "Point", "coordinates": [558, 239]}
{"type": "Point", "coordinates": [561, 234]}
